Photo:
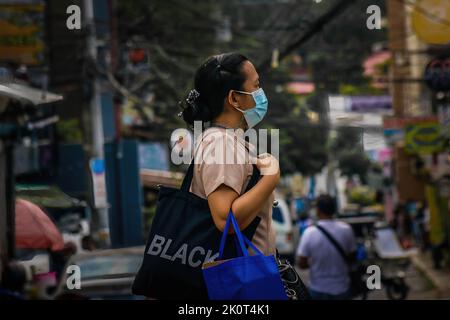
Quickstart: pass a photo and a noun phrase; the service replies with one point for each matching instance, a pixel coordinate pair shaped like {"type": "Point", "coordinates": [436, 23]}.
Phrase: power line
{"type": "Point", "coordinates": [316, 27]}
{"type": "Point", "coordinates": [330, 15]}
{"type": "Point", "coordinates": [281, 39]}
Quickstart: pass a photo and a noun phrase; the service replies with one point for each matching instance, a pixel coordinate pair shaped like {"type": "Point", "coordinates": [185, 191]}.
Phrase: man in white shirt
{"type": "Point", "coordinates": [328, 270]}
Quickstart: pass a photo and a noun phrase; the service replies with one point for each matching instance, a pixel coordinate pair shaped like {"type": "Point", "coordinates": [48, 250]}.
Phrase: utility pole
{"type": "Point", "coordinates": [397, 45]}
{"type": "Point", "coordinates": [97, 152]}
{"type": "Point", "coordinates": [3, 212]}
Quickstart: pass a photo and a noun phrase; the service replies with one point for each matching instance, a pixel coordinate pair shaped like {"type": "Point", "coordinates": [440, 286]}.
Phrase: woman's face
{"type": "Point", "coordinates": [245, 101]}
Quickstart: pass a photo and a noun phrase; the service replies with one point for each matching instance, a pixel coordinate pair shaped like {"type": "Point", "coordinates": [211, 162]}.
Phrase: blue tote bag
{"type": "Point", "coordinates": [247, 277]}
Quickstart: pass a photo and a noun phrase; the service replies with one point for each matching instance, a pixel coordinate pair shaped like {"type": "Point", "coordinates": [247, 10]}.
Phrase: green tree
{"type": "Point", "coordinates": [354, 163]}
{"type": "Point", "coordinates": [177, 36]}
{"type": "Point", "coordinates": [303, 144]}
{"type": "Point", "coordinates": [336, 54]}
{"type": "Point", "coordinates": [348, 150]}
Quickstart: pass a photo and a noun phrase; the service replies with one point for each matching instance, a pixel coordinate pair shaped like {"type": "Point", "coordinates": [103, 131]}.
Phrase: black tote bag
{"type": "Point", "coordinates": [183, 236]}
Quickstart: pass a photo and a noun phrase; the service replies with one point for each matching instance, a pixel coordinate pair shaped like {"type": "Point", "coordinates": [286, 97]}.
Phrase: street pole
{"type": "Point", "coordinates": [397, 45]}
{"type": "Point", "coordinates": [3, 212]}
{"type": "Point", "coordinates": [102, 223]}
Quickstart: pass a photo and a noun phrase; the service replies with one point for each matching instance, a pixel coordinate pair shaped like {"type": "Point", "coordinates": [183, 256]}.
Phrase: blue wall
{"type": "Point", "coordinates": [124, 193]}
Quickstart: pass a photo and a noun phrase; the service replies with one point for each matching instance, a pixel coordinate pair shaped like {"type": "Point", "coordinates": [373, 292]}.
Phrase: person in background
{"type": "Point", "coordinates": [419, 226]}
{"type": "Point", "coordinates": [59, 259]}
{"type": "Point", "coordinates": [13, 284]}
{"type": "Point", "coordinates": [407, 231]}
{"type": "Point", "coordinates": [412, 211]}
{"type": "Point", "coordinates": [329, 278]}
{"type": "Point", "coordinates": [402, 225]}
{"type": "Point", "coordinates": [304, 222]}
{"type": "Point", "coordinates": [426, 226]}
{"type": "Point", "coordinates": [88, 243]}
{"type": "Point", "coordinates": [411, 207]}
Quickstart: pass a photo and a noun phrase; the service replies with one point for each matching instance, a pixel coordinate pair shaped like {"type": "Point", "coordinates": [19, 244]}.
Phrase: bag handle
{"type": "Point", "coordinates": [241, 239]}
{"type": "Point", "coordinates": [251, 245]}
{"type": "Point", "coordinates": [231, 219]}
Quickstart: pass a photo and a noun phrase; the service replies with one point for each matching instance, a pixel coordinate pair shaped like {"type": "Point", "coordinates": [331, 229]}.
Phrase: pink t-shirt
{"type": "Point", "coordinates": [222, 158]}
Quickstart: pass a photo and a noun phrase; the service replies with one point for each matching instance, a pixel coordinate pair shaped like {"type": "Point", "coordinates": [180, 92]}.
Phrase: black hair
{"type": "Point", "coordinates": [213, 80]}
{"type": "Point", "coordinates": [326, 204]}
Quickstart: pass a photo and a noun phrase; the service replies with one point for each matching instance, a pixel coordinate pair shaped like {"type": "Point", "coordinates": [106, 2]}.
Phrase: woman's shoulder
{"type": "Point", "coordinates": [215, 135]}
{"type": "Point", "coordinates": [212, 132]}
{"type": "Point", "coordinates": [219, 132]}
{"type": "Point", "coordinates": [220, 144]}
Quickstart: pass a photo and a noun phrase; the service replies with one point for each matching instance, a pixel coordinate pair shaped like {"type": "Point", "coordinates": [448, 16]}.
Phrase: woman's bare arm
{"type": "Point", "coordinates": [246, 206]}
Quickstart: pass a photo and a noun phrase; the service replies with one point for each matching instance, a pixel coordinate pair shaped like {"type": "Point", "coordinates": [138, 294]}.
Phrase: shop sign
{"type": "Point", "coordinates": [424, 138]}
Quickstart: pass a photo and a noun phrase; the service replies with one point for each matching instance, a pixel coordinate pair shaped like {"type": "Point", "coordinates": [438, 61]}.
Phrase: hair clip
{"type": "Point", "coordinates": [192, 96]}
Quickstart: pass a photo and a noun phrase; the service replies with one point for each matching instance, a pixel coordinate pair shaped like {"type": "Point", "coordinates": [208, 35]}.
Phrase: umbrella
{"type": "Point", "coordinates": [34, 229]}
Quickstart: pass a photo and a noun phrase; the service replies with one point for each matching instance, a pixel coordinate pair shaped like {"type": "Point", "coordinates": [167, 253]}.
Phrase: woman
{"type": "Point", "coordinates": [227, 95]}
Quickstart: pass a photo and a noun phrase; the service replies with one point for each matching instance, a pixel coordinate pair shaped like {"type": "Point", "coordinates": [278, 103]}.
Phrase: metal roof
{"type": "Point", "coordinates": [28, 94]}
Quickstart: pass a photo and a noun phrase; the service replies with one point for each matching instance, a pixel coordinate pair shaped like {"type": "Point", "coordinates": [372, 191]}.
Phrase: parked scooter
{"type": "Point", "coordinates": [379, 246]}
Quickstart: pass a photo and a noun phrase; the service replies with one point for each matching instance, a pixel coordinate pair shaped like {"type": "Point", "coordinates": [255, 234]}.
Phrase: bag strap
{"type": "Point", "coordinates": [231, 219]}
{"type": "Point", "coordinates": [251, 245]}
{"type": "Point", "coordinates": [240, 239]}
{"type": "Point", "coordinates": [253, 179]}
{"type": "Point", "coordinates": [187, 180]}
{"type": "Point", "coordinates": [335, 243]}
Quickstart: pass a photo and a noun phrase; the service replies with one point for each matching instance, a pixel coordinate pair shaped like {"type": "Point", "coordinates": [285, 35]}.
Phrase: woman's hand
{"type": "Point", "coordinates": [268, 165]}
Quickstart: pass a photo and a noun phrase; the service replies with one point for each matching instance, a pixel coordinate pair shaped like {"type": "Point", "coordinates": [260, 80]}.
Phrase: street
{"type": "Point", "coordinates": [138, 137]}
{"type": "Point", "coordinates": [420, 287]}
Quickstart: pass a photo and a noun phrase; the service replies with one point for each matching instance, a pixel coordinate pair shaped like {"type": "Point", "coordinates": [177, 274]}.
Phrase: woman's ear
{"type": "Point", "coordinates": [232, 98]}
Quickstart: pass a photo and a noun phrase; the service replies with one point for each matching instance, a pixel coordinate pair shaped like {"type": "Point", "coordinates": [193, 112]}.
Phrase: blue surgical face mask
{"type": "Point", "coordinates": [254, 115]}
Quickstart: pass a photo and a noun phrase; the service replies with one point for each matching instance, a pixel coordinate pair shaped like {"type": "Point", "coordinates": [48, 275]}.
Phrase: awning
{"type": "Point", "coordinates": [28, 94]}
{"type": "Point", "coordinates": [153, 178]}
{"type": "Point", "coordinates": [47, 196]}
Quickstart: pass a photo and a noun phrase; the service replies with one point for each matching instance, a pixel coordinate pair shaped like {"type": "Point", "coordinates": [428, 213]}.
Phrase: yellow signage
{"type": "Point", "coordinates": [424, 138]}
{"type": "Point", "coordinates": [431, 21]}
{"type": "Point", "coordinates": [21, 38]}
